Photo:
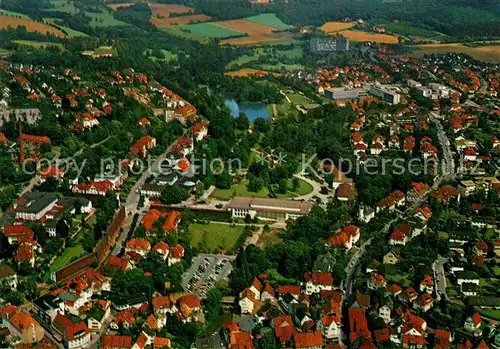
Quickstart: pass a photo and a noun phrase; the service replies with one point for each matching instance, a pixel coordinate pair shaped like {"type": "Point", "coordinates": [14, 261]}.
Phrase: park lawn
{"type": "Point", "coordinates": [66, 257]}
{"type": "Point", "coordinates": [269, 19]}
{"type": "Point", "coordinates": [496, 271]}
{"type": "Point", "coordinates": [299, 99]}
{"type": "Point", "coordinates": [38, 44]}
{"type": "Point", "coordinates": [67, 30]}
{"type": "Point", "coordinates": [215, 235]}
{"type": "Point", "coordinates": [210, 30]}
{"type": "Point", "coordinates": [239, 189]}
{"type": "Point", "coordinates": [490, 313]}
{"type": "Point", "coordinates": [13, 14]}
{"type": "Point", "coordinates": [402, 29]}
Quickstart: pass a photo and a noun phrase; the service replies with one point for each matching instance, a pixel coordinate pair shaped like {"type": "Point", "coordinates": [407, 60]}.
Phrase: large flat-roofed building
{"type": "Point", "coordinates": [337, 93]}
{"type": "Point", "coordinates": [386, 93]}
{"type": "Point", "coordinates": [331, 44]}
{"type": "Point", "coordinates": [264, 208]}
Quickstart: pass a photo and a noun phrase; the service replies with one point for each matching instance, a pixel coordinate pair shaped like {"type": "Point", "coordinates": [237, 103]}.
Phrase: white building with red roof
{"type": "Point", "coordinates": [139, 246]}
{"type": "Point", "coordinates": [175, 256]}
{"type": "Point", "coordinates": [315, 282]}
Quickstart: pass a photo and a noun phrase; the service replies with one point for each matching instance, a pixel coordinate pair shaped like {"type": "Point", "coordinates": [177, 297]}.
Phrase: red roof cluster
{"type": "Point", "coordinates": [319, 278]}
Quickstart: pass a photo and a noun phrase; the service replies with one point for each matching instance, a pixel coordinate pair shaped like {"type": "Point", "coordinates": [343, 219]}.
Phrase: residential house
{"type": "Point", "coordinates": [391, 258]}
{"type": "Point", "coordinates": [413, 331]}
{"type": "Point", "coordinates": [473, 322]}
{"type": "Point", "coordinates": [116, 342]}
{"type": "Point", "coordinates": [442, 339]}
{"type": "Point", "coordinates": [318, 281]}
{"type": "Point", "coordinates": [384, 312]}
{"type": "Point", "coordinates": [345, 238]}
{"type": "Point", "coordinates": [427, 284]}
{"type": "Point", "coordinates": [308, 340]}
{"type": "Point", "coordinates": [74, 335]}
{"type": "Point", "coordinates": [283, 328]}
{"type": "Point", "coordinates": [424, 302]}
{"type": "Point", "coordinates": [21, 325]}
{"type": "Point", "coordinates": [8, 276]}
{"type": "Point", "coordinates": [376, 281]}
{"type": "Point", "coordinates": [175, 256]}
{"type": "Point", "coordinates": [139, 246]}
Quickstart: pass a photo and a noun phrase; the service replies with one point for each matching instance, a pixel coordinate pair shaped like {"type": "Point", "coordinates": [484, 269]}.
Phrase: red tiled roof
{"type": "Point", "coordinates": [427, 281]}
{"type": "Point", "coordinates": [36, 139]}
{"type": "Point", "coordinates": [68, 328]}
{"type": "Point", "coordinates": [288, 289]}
{"type": "Point", "coordinates": [162, 302]}
{"type": "Point", "coordinates": [24, 253]}
{"type": "Point", "coordinates": [419, 188]}
{"type": "Point", "coordinates": [161, 342]}
{"type": "Point", "coordinates": [116, 342]}
{"type": "Point", "coordinates": [17, 231]}
{"type": "Point", "coordinates": [138, 244]}
{"type": "Point", "coordinates": [186, 110]}
{"type": "Point", "coordinates": [52, 171]}
{"type": "Point", "coordinates": [3, 140]}
{"type": "Point", "coordinates": [141, 340]}
{"type": "Point", "coordinates": [476, 319]}
{"type": "Point", "coordinates": [319, 278]}
{"type": "Point", "coordinates": [241, 340]}
{"type": "Point", "coordinates": [309, 339]}
{"type": "Point", "coordinates": [190, 300]}
{"type": "Point", "coordinates": [143, 121]}
{"type": "Point", "coordinates": [283, 327]}
{"type": "Point", "coordinates": [199, 127]}
{"type": "Point", "coordinates": [118, 262]}
{"type": "Point", "coordinates": [171, 221]}
{"type": "Point", "coordinates": [161, 247]}
{"type": "Point", "coordinates": [177, 252]}
{"type": "Point", "coordinates": [339, 239]}
{"type": "Point", "coordinates": [442, 339]}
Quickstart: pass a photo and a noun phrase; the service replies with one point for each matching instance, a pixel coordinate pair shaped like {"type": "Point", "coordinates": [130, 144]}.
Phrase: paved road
{"type": "Point", "coordinates": [439, 277]}
{"type": "Point", "coordinates": [448, 173]}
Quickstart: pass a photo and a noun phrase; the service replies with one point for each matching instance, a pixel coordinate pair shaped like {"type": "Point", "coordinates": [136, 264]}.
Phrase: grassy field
{"type": "Point", "coordinates": [240, 189]}
{"type": "Point", "coordinates": [296, 98]}
{"type": "Point", "coordinates": [270, 20]}
{"type": "Point", "coordinates": [294, 53]}
{"type": "Point", "coordinates": [70, 32]}
{"type": "Point", "coordinates": [38, 44]}
{"type": "Point", "coordinates": [490, 313]}
{"type": "Point", "coordinates": [490, 54]}
{"type": "Point", "coordinates": [168, 55]}
{"type": "Point", "coordinates": [104, 19]}
{"type": "Point", "coordinates": [215, 235]}
{"type": "Point", "coordinates": [210, 30]}
{"type": "Point", "coordinates": [64, 6]}
{"type": "Point", "coordinates": [67, 256]}
{"type": "Point", "coordinates": [402, 29]}
{"type": "Point", "coordinates": [13, 14]}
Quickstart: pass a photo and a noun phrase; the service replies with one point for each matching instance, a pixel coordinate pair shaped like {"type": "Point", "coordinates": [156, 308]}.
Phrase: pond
{"type": "Point", "coordinates": [251, 110]}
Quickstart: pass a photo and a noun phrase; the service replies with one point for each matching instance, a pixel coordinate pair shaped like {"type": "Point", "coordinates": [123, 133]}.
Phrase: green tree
{"type": "Point", "coordinates": [173, 195]}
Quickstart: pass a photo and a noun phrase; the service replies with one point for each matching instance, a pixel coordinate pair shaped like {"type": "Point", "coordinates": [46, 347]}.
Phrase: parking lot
{"type": "Point", "coordinates": [205, 271]}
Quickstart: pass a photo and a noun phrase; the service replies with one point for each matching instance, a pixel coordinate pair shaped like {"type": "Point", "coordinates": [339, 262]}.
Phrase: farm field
{"type": "Point", "coordinates": [269, 19]}
{"type": "Point", "coordinates": [66, 257]}
{"type": "Point", "coordinates": [489, 54]}
{"type": "Point", "coordinates": [258, 34]}
{"type": "Point", "coordinates": [210, 30]}
{"type": "Point", "coordinates": [248, 72]}
{"type": "Point", "coordinates": [332, 27]}
{"type": "Point", "coordinates": [161, 15]}
{"type": "Point", "coordinates": [38, 44]}
{"type": "Point", "coordinates": [355, 35]}
{"type": "Point", "coordinates": [215, 235]}
{"type": "Point", "coordinates": [31, 26]}
{"type": "Point", "coordinates": [70, 32]}
{"type": "Point", "coordinates": [402, 29]}
{"type": "Point", "coordinates": [117, 6]}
